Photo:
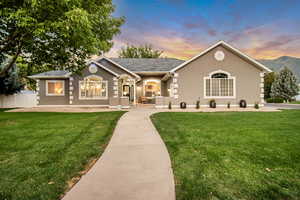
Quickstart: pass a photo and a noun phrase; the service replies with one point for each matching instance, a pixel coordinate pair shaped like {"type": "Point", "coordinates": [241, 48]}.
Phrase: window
{"type": "Point", "coordinates": [93, 87]}
{"type": "Point", "coordinates": [55, 87]}
{"type": "Point", "coordinates": [219, 84]}
{"type": "Point", "coordinates": [152, 88]}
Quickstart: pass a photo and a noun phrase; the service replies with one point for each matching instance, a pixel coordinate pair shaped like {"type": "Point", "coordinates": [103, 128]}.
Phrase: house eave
{"type": "Point", "coordinates": [151, 72]}
{"type": "Point", "coordinates": [49, 77]}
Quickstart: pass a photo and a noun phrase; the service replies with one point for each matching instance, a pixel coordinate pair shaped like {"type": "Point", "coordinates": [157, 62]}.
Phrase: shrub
{"type": "Point", "coordinates": [228, 104]}
{"type": "Point", "coordinates": [212, 103]}
{"type": "Point", "coordinates": [256, 105]}
{"type": "Point", "coordinates": [170, 105]}
{"type": "Point", "coordinates": [198, 104]}
{"type": "Point", "coordinates": [275, 100]}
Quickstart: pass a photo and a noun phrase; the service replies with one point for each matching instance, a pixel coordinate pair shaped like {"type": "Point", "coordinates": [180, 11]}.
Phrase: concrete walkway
{"type": "Point", "coordinates": [134, 166]}
{"type": "Point", "coordinates": [283, 106]}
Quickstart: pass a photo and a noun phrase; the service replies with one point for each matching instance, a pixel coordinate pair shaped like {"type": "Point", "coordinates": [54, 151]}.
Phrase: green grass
{"type": "Point", "coordinates": [41, 152]}
{"type": "Point", "coordinates": [295, 102]}
{"type": "Point", "coordinates": [233, 155]}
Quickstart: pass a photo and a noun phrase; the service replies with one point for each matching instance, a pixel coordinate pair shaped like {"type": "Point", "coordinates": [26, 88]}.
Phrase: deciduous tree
{"type": "Point", "coordinates": [143, 51]}
{"type": "Point", "coordinates": [10, 83]}
{"type": "Point", "coordinates": [58, 33]}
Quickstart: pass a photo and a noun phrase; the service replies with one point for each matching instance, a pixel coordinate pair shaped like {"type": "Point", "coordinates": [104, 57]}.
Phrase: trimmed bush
{"type": "Point", "coordinates": [275, 100]}
{"type": "Point", "coordinates": [256, 105]}
{"type": "Point", "coordinates": [228, 104]}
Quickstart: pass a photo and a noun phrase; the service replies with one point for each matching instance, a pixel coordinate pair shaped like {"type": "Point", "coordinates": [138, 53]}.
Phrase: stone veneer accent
{"type": "Point", "coordinates": [175, 85]}
{"type": "Point", "coordinates": [71, 88]}
{"type": "Point", "coordinates": [262, 91]}
{"type": "Point", "coordinates": [115, 87]}
{"type": "Point", "coordinates": [38, 92]}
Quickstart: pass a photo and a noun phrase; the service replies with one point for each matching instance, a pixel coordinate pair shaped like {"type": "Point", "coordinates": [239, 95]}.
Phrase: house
{"type": "Point", "coordinates": [220, 72]}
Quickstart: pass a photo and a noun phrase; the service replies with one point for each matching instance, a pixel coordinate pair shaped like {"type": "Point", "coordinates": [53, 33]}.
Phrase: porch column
{"type": "Point", "coordinates": [134, 92]}
{"type": "Point", "coordinates": [175, 86]}
{"type": "Point", "coordinates": [71, 97]}
{"type": "Point", "coordinates": [262, 90]}
{"type": "Point", "coordinates": [37, 91]}
{"type": "Point", "coordinates": [116, 87]}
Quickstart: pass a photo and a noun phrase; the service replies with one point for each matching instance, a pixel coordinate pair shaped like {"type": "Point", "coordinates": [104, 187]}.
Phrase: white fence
{"type": "Point", "coordinates": [23, 99]}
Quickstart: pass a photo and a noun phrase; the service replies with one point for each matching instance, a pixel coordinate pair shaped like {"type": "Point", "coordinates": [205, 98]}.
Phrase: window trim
{"type": "Point", "coordinates": [219, 97]}
{"type": "Point", "coordinates": [91, 98]}
{"type": "Point", "coordinates": [55, 81]}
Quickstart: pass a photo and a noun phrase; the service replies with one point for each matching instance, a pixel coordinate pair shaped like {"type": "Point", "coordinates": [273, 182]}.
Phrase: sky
{"type": "Point", "coordinates": [263, 29]}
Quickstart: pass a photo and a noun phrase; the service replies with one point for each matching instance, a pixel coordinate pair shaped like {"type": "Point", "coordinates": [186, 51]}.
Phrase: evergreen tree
{"type": "Point", "coordinates": [269, 80]}
{"type": "Point", "coordinates": [285, 85]}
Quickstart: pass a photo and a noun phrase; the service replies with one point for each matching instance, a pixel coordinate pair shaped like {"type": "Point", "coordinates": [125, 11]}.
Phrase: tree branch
{"type": "Point", "coordinates": [11, 63]}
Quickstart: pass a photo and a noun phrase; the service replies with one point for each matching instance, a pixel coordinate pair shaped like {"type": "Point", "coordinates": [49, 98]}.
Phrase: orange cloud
{"type": "Point", "coordinates": [182, 48]}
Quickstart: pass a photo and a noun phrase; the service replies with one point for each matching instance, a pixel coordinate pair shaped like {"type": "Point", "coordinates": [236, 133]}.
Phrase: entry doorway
{"type": "Point", "coordinates": [128, 91]}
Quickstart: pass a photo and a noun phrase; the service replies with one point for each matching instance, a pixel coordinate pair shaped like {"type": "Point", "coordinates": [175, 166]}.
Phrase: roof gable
{"type": "Point", "coordinates": [229, 47]}
{"type": "Point", "coordinates": [105, 68]}
{"type": "Point", "coordinates": [120, 66]}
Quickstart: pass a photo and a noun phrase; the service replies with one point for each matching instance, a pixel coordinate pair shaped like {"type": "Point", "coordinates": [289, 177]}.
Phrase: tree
{"type": "Point", "coordinates": [285, 85]}
{"type": "Point", "coordinates": [143, 51]}
{"type": "Point", "coordinates": [55, 33]}
{"type": "Point", "coordinates": [10, 83]}
{"type": "Point", "coordinates": [268, 81]}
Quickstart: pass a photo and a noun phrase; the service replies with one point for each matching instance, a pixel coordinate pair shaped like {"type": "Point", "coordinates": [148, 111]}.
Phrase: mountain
{"type": "Point", "coordinates": [276, 64]}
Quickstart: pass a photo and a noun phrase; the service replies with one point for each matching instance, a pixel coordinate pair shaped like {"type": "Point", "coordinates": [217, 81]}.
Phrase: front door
{"type": "Point", "coordinates": [128, 92]}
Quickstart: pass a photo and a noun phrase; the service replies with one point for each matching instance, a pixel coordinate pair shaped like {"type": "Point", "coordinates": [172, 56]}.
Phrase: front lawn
{"type": "Point", "coordinates": [41, 152]}
{"type": "Point", "coordinates": [295, 102]}
{"type": "Point", "coordinates": [233, 155]}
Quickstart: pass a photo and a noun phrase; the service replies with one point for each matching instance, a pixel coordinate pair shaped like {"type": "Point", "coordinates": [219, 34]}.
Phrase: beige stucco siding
{"type": "Point", "coordinates": [107, 76]}
{"type": "Point", "coordinates": [52, 100]}
{"type": "Point", "coordinates": [191, 78]}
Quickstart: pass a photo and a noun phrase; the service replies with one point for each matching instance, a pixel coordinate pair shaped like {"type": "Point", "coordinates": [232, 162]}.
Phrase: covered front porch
{"type": "Point", "coordinates": [139, 91]}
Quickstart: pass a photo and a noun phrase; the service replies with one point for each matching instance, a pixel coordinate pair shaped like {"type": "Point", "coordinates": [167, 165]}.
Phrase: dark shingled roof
{"type": "Point", "coordinates": [148, 64]}
{"type": "Point", "coordinates": [132, 64]}
{"type": "Point", "coordinates": [54, 73]}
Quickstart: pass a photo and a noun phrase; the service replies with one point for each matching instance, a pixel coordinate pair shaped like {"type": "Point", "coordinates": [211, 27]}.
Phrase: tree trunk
{"type": "Point", "coordinates": [10, 64]}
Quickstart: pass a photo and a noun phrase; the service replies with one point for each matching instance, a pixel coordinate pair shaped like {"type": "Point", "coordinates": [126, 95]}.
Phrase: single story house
{"type": "Point", "coordinates": [220, 72]}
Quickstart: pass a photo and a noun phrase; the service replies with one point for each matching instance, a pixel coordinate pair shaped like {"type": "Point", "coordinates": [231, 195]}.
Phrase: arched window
{"type": "Point", "coordinates": [93, 87]}
{"type": "Point", "coordinates": [219, 75]}
{"type": "Point", "coordinates": [219, 84]}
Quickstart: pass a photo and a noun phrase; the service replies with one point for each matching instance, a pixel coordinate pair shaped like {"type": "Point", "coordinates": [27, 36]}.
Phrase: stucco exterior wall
{"type": "Point", "coordinates": [191, 78]}
{"type": "Point", "coordinates": [107, 76]}
{"type": "Point", "coordinates": [52, 100]}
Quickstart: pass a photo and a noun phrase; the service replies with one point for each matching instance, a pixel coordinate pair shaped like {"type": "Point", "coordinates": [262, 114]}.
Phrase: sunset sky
{"type": "Point", "coordinates": [182, 28]}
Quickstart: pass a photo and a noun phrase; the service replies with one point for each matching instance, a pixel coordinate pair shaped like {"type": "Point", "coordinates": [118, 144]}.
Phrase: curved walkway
{"type": "Point", "coordinates": [134, 166]}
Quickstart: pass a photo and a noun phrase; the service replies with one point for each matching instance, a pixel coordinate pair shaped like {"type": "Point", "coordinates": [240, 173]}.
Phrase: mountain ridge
{"type": "Point", "coordinates": [293, 63]}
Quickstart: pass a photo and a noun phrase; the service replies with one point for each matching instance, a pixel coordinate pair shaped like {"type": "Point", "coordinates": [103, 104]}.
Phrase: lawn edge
{"type": "Point", "coordinates": [91, 162]}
